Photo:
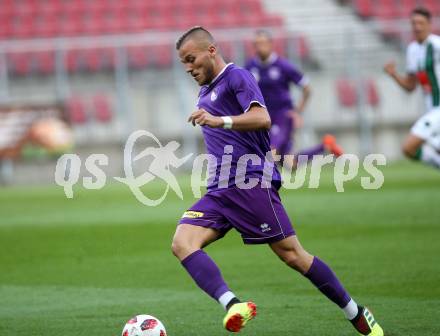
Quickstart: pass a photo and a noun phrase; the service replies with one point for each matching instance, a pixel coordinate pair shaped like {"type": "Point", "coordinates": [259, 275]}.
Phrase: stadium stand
{"type": "Point", "coordinates": [104, 100]}
{"type": "Point", "coordinates": [383, 11]}
{"type": "Point", "coordinates": [81, 109]}
{"type": "Point", "coordinates": [76, 110]}
{"type": "Point", "coordinates": [29, 19]}
{"type": "Point", "coordinates": [32, 19]}
{"type": "Point", "coordinates": [83, 55]}
{"type": "Point", "coordinates": [392, 9]}
{"type": "Point", "coordinates": [348, 96]}
{"type": "Point", "coordinates": [346, 91]}
{"type": "Point", "coordinates": [102, 108]}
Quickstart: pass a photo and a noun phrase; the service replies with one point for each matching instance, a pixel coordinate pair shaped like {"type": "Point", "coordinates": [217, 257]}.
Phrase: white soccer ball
{"type": "Point", "coordinates": [144, 325]}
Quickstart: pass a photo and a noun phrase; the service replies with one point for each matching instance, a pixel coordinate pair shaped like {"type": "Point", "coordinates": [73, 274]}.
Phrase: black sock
{"type": "Point", "coordinates": [232, 302]}
{"type": "Point", "coordinates": [361, 325]}
{"type": "Point", "coordinates": [359, 314]}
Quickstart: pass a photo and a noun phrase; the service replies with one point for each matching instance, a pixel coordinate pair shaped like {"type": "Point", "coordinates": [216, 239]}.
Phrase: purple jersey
{"type": "Point", "coordinates": [232, 93]}
{"type": "Point", "coordinates": [274, 78]}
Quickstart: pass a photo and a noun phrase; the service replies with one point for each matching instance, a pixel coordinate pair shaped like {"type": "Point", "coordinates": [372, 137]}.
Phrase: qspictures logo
{"type": "Point", "coordinates": [68, 168]}
{"type": "Point", "coordinates": [163, 159]}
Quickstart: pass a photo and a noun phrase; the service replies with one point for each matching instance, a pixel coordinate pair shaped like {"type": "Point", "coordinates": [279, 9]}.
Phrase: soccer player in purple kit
{"type": "Point", "coordinates": [234, 120]}
{"type": "Point", "coordinates": [274, 75]}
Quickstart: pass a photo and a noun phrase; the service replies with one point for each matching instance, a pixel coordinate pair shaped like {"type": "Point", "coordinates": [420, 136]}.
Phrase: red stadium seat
{"type": "Point", "coordinates": [249, 49]}
{"type": "Point", "coordinates": [92, 25]}
{"type": "Point", "coordinates": [163, 55]}
{"type": "Point", "coordinates": [71, 26]}
{"type": "Point", "coordinates": [6, 30]}
{"type": "Point", "coordinates": [33, 18]}
{"type": "Point", "coordinates": [49, 8]}
{"type": "Point", "coordinates": [386, 9]}
{"type": "Point", "coordinates": [303, 48]}
{"type": "Point", "coordinates": [252, 7]}
{"type": "Point", "coordinates": [115, 23]}
{"type": "Point", "coordinates": [346, 92]}
{"type": "Point", "coordinates": [46, 27]}
{"type": "Point", "coordinates": [137, 23]}
{"type": "Point", "coordinates": [273, 20]}
{"type": "Point", "coordinates": [227, 50]}
{"type": "Point", "coordinates": [406, 7]}
{"type": "Point", "coordinates": [72, 60]}
{"type": "Point", "coordinates": [26, 19]}
{"type": "Point", "coordinates": [76, 110]}
{"type": "Point", "coordinates": [372, 93]}
{"type": "Point", "coordinates": [7, 11]}
{"type": "Point", "coordinates": [95, 7]}
{"type": "Point", "coordinates": [226, 22]}
{"type": "Point", "coordinates": [19, 63]}
{"type": "Point", "coordinates": [44, 61]}
{"type": "Point", "coordinates": [108, 58]}
{"type": "Point", "coordinates": [280, 45]}
{"type": "Point", "coordinates": [102, 108]}
{"type": "Point", "coordinates": [138, 57]}
{"type": "Point", "coordinates": [430, 4]}
{"type": "Point", "coordinates": [22, 28]}
{"type": "Point", "coordinates": [25, 8]}
{"type": "Point", "coordinates": [364, 7]}
{"type": "Point", "coordinates": [252, 21]}
{"type": "Point", "coordinates": [92, 59]}
{"type": "Point", "coordinates": [119, 7]}
{"type": "Point", "coordinates": [73, 8]}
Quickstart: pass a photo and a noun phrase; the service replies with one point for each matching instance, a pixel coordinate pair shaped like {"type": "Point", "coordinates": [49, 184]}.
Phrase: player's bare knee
{"type": "Point", "coordinates": [299, 260]}
{"type": "Point", "coordinates": [179, 248]}
{"type": "Point", "coordinates": [175, 248]}
{"type": "Point", "coordinates": [183, 247]}
{"type": "Point", "coordinates": [292, 260]}
{"type": "Point", "coordinates": [289, 257]}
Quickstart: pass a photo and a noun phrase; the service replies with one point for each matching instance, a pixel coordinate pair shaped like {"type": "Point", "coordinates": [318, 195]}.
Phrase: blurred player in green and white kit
{"type": "Point", "coordinates": [423, 67]}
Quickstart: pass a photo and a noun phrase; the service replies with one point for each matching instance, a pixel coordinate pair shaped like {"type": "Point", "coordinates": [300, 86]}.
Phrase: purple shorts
{"type": "Point", "coordinates": [281, 135]}
{"type": "Point", "coordinates": [256, 213]}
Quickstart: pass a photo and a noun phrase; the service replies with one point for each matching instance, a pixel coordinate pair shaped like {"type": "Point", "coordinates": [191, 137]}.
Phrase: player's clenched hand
{"type": "Point", "coordinates": [390, 68]}
{"type": "Point", "coordinates": [203, 118]}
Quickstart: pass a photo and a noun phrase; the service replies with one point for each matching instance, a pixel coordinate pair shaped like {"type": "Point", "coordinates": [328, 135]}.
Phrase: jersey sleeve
{"type": "Point", "coordinates": [248, 65]}
{"type": "Point", "coordinates": [295, 75]}
{"type": "Point", "coordinates": [411, 61]}
{"type": "Point", "coordinates": [245, 88]}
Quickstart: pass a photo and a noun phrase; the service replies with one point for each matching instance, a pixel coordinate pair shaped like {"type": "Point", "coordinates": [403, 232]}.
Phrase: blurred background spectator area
{"type": "Point", "coordinates": [111, 67]}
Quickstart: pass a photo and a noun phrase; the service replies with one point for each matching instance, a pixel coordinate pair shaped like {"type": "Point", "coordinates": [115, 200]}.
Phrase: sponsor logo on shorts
{"type": "Point", "coordinates": [192, 214]}
{"type": "Point", "coordinates": [265, 227]}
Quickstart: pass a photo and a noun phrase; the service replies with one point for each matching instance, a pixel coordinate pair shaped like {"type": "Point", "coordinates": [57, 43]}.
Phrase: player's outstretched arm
{"type": "Point", "coordinates": [407, 82]}
{"type": "Point", "coordinates": [306, 92]}
{"type": "Point", "coordinates": [256, 118]}
{"type": "Point", "coordinates": [296, 114]}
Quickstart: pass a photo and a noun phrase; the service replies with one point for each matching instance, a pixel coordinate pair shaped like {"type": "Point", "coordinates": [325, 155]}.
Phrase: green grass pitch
{"type": "Point", "coordinates": [85, 266]}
